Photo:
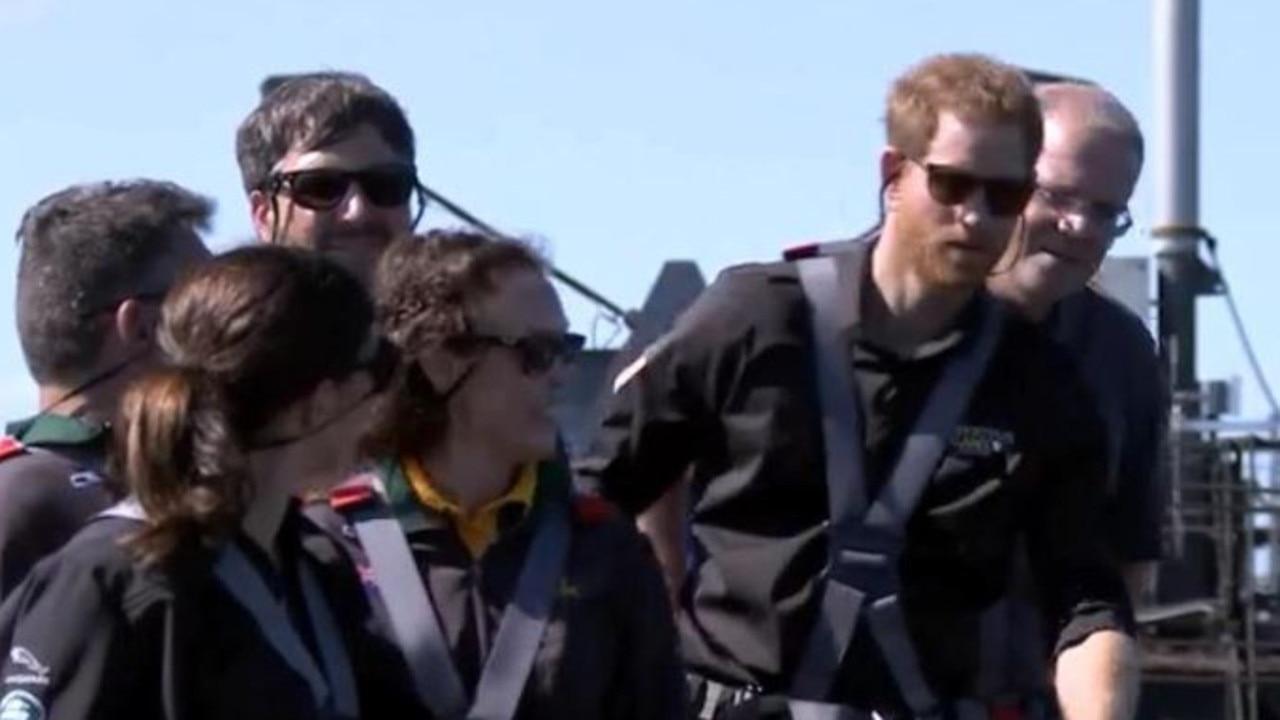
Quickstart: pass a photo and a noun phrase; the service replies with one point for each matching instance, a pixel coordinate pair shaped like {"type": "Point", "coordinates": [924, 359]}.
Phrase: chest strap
{"type": "Point", "coordinates": [866, 535]}
{"type": "Point", "coordinates": [416, 626]}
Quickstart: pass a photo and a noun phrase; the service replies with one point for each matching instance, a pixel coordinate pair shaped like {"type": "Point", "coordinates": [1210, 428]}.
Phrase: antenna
{"type": "Point", "coordinates": [1040, 77]}
{"type": "Point", "coordinates": [568, 280]}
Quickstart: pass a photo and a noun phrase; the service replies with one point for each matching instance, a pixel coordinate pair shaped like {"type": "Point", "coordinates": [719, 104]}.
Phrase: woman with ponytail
{"type": "Point", "coordinates": [207, 594]}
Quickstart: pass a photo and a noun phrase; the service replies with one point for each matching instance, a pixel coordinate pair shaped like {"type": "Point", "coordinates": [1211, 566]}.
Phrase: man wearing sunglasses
{"type": "Point", "coordinates": [95, 262]}
{"type": "Point", "coordinates": [327, 162]}
{"type": "Point", "coordinates": [1086, 173]}
{"type": "Point", "coordinates": [866, 433]}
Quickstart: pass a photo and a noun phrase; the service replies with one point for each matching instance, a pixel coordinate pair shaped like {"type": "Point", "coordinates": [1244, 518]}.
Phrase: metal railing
{"type": "Point", "coordinates": [1223, 532]}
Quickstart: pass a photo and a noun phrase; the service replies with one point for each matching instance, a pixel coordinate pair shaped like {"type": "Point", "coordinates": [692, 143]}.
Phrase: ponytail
{"type": "Point", "coordinates": [178, 454]}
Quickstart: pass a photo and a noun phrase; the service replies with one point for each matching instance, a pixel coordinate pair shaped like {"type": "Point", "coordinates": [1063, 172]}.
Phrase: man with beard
{"type": "Point", "coordinates": [1086, 173]}
{"type": "Point", "coordinates": [327, 161]}
{"type": "Point", "coordinates": [865, 434]}
{"type": "Point", "coordinates": [96, 260]}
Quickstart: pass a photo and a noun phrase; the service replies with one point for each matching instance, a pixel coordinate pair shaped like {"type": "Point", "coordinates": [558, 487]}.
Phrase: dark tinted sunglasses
{"type": "Point", "coordinates": [952, 186]}
{"type": "Point", "coordinates": [324, 189]}
{"type": "Point", "coordinates": [537, 352]}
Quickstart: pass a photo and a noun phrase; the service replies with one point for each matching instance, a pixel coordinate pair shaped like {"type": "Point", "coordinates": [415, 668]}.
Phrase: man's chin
{"type": "Point", "coordinates": [963, 275]}
{"type": "Point", "coordinates": [1056, 277]}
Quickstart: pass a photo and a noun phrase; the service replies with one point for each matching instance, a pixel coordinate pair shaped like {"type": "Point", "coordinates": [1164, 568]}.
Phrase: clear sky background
{"type": "Point", "coordinates": [622, 133]}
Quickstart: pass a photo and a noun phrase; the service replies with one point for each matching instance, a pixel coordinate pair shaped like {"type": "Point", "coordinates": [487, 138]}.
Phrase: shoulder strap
{"type": "Point", "coordinates": [408, 606]}
{"type": "Point", "coordinates": [842, 439]}
{"type": "Point", "coordinates": [842, 431]}
{"type": "Point", "coordinates": [937, 421]}
{"type": "Point", "coordinates": [507, 668]}
{"type": "Point", "coordinates": [865, 543]}
{"type": "Point", "coordinates": [417, 628]}
{"type": "Point", "coordinates": [332, 688]}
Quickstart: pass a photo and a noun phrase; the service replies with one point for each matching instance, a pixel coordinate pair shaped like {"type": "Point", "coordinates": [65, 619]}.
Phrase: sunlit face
{"type": "Point", "coordinates": [1086, 177]}
{"type": "Point", "coordinates": [506, 399]}
{"type": "Point", "coordinates": [347, 200]}
{"type": "Point", "coordinates": [957, 207]}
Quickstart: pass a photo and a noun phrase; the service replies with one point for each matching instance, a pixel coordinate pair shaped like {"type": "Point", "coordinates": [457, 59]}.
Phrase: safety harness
{"type": "Point", "coordinates": [866, 534]}
{"type": "Point", "coordinates": [414, 621]}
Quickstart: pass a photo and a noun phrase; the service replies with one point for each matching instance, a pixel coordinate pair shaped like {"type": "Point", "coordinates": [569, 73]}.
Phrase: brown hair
{"type": "Point", "coordinates": [309, 111]}
{"type": "Point", "coordinates": [976, 88]}
{"type": "Point", "coordinates": [426, 286]}
{"type": "Point", "coordinates": [84, 248]}
{"type": "Point", "coordinates": [244, 336]}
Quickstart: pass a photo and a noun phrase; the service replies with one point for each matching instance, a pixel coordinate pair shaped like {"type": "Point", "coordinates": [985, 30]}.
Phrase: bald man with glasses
{"type": "Point", "coordinates": [1085, 175]}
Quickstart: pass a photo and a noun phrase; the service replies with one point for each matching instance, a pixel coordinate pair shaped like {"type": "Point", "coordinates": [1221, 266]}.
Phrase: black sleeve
{"type": "Point", "coordinates": [662, 413]}
{"type": "Point", "coordinates": [1142, 492]}
{"type": "Point", "coordinates": [67, 651]}
{"type": "Point", "coordinates": [32, 525]}
{"type": "Point", "coordinates": [1079, 578]}
{"type": "Point", "coordinates": [651, 684]}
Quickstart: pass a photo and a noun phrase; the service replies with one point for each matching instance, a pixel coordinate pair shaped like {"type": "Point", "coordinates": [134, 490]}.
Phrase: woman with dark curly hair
{"type": "Point", "coordinates": [207, 594]}
{"type": "Point", "coordinates": [510, 596]}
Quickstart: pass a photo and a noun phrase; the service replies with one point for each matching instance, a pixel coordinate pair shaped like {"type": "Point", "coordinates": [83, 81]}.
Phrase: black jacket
{"type": "Point", "coordinates": [51, 482]}
{"type": "Point", "coordinates": [729, 392]}
{"type": "Point", "coordinates": [91, 636]}
{"type": "Point", "coordinates": [609, 651]}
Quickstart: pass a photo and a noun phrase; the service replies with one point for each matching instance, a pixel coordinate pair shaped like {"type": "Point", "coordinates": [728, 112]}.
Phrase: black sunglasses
{"type": "Point", "coordinates": [324, 189]}
{"type": "Point", "coordinates": [951, 186]}
{"type": "Point", "coordinates": [537, 352]}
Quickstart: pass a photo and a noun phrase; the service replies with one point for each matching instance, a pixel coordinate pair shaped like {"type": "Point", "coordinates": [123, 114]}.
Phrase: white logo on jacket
{"type": "Point", "coordinates": [36, 673]}
{"type": "Point", "coordinates": [21, 705]}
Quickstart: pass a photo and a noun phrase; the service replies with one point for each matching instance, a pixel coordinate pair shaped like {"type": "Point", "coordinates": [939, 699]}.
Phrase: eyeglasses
{"type": "Point", "coordinates": [537, 352]}
{"type": "Point", "coordinates": [324, 189]}
{"type": "Point", "coordinates": [1116, 218]}
{"type": "Point", "coordinates": [951, 186]}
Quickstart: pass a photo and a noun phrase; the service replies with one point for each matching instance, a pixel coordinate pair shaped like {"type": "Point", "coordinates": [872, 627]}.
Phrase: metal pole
{"type": "Point", "coordinates": [1195, 570]}
{"type": "Point", "coordinates": [1177, 169]}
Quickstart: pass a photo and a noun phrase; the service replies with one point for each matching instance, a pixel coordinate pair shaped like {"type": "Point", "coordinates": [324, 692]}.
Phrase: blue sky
{"type": "Point", "coordinates": [623, 134]}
